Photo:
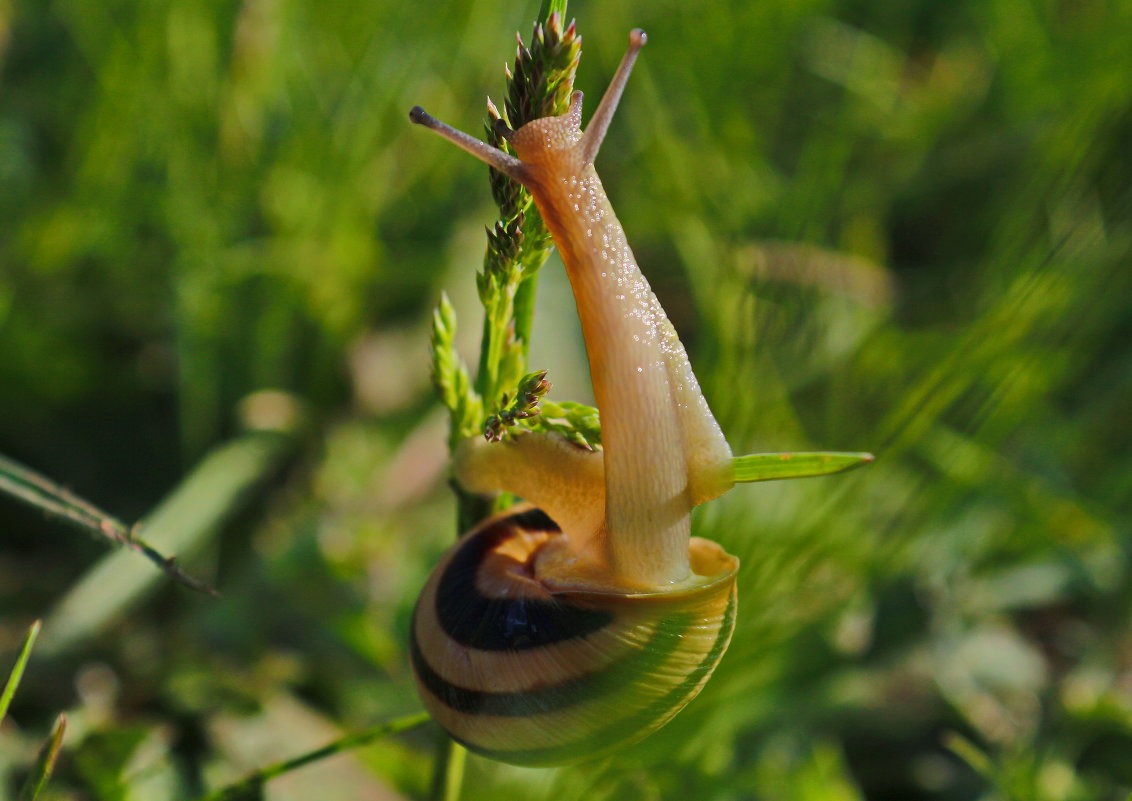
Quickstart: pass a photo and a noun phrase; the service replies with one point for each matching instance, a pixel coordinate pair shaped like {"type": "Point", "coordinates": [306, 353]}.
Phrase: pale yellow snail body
{"type": "Point", "coordinates": [587, 618]}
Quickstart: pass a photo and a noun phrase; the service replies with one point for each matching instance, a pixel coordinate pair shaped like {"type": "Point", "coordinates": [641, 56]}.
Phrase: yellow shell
{"type": "Point", "coordinates": [531, 675]}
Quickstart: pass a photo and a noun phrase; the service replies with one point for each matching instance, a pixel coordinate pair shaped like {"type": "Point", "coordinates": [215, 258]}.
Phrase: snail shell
{"type": "Point", "coordinates": [522, 671]}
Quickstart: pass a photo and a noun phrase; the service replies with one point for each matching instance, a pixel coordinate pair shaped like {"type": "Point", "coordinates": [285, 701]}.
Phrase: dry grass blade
{"type": "Point", "coordinates": [44, 762]}
{"type": "Point", "coordinates": [41, 492]}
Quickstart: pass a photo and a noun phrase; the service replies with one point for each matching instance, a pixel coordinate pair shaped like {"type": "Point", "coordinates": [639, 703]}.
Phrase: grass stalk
{"type": "Point", "coordinates": [34, 489]}
{"type": "Point", "coordinates": [247, 786]}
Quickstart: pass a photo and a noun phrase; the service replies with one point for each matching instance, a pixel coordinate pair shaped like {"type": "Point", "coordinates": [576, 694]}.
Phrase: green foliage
{"type": "Point", "coordinates": [531, 411]}
{"type": "Point", "coordinates": [450, 376]}
{"type": "Point", "coordinates": [531, 390]}
{"type": "Point", "coordinates": [897, 227]}
{"type": "Point", "coordinates": [539, 85]}
{"type": "Point", "coordinates": [573, 421]}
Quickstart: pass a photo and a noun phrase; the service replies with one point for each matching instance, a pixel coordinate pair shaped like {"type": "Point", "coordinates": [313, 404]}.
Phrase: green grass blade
{"type": "Point", "coordinates": [18, 670]}
{"type": "Point", "coordinates": [44, 762]}
{"type": "Point", "coordinates": [246, 787]}
{"type": "Point", "coordinates": [773, 466]}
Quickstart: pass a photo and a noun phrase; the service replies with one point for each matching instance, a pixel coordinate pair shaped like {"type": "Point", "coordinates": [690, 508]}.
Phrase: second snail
{"type": "Point", "coordinates": [585, 618]}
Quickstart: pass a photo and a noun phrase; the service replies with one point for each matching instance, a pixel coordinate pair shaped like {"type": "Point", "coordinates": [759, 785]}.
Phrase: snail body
{"type": "Point", "coordinates": [586, 619]}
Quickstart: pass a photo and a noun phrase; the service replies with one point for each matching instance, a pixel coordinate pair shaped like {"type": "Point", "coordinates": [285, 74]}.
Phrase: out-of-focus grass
{"type": "Point", "coordinates": [901, 228]}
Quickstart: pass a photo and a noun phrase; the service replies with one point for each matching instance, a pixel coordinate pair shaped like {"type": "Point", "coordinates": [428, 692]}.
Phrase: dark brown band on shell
{"type": "Point", "coordinates": [506, 624]}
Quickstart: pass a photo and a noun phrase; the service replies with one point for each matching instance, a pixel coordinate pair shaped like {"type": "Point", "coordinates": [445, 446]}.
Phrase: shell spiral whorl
{"type": "Point", "coordinates": [531, 675]}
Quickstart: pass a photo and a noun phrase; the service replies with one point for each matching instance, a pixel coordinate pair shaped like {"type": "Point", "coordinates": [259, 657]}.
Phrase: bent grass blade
{"type": "Point", "coordinates": [35, 489]}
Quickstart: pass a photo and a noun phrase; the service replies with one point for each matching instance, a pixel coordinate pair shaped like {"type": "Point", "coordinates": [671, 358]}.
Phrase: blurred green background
{"type": "Point", "coordinates": [902, 227]}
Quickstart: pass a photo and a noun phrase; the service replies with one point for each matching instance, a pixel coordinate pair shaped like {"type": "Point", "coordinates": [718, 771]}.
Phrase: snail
{"type": "Point", "coordinates": [586, 618]}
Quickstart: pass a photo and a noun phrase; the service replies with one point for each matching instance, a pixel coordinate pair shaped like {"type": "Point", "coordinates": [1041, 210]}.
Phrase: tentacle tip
{"type": "Point", "coordinates": [637, 39]}
{"type": "Point", "coordinates": [418, 115]}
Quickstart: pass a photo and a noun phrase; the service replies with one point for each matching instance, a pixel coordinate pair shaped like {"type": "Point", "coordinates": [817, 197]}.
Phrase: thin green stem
{"type": "Point", "coordinates": [488, 373]}
{"type": "Point", "coordinates": [448, 779]}
{"type": "Point", "coordinates": [454, 781]}
{"type": "Point", "coordinates": [18, 670]}
{"type": "Point", "coordinates": [247, 785]}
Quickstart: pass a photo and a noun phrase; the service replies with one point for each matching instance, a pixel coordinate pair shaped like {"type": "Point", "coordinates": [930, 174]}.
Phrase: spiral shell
{"type": "Point", "coordinates": [531, 675]}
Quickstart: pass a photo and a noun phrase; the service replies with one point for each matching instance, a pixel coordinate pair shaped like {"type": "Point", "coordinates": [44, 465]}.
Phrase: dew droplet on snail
{"type": "Point", "coordinates": [584, 619]}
